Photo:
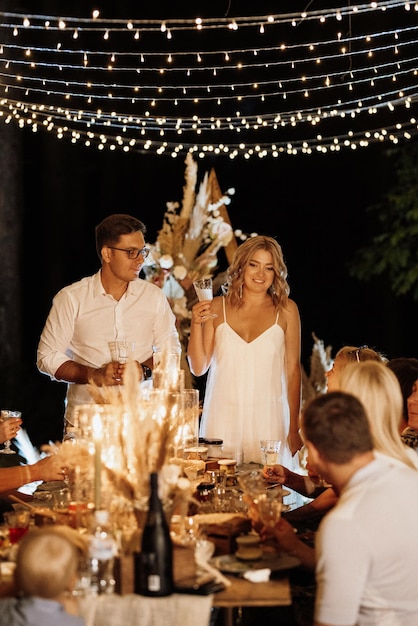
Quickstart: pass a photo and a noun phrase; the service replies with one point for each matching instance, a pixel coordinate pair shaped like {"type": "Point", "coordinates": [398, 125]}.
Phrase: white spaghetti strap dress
{"type": "Point", "coordinates": [246, 393]}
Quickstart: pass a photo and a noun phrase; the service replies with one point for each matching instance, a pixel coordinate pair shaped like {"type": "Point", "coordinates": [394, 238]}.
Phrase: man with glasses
{"type": "Point", "coordinates": [113, 304]}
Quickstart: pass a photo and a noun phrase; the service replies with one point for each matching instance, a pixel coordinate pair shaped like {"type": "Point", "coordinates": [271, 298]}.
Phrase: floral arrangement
{"type": "Point", "coordinates": [142, 428]}
{"type": "Point", "coordinates": [192, 234]}
{"type": "Point", "coordinates": [139, 432]}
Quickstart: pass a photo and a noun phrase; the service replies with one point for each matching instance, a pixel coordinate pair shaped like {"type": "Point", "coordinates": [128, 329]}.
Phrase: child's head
{"type": "Point", "coordinates": [47, 564]}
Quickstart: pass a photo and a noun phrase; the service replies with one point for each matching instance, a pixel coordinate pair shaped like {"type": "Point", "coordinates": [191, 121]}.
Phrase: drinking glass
{"type": "Point", "coordinates": [189, 427]}
{"type": "Point", "coordinates": [166, 373]}
{"type": "Point", "coordinates": [120, 351]}
{"type": "Point", "coordinates": [61, 499]}
{"type": "Point", "coordinates": [204, 291]}
{"type": "Point", "coordinates": [17, 523]}
{"type": "Point", "coordinates": [270, 449]}
{"type": "Point", "coordinates": [5, 415]}
{"type": "Point", "coordinates": [269, 510]}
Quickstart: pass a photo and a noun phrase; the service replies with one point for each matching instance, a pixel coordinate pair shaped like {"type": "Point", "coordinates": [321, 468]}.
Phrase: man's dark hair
{"type": "Point", "coordinates": [336, 424]}
{"type": "Point", "coordinates": [113, 227]}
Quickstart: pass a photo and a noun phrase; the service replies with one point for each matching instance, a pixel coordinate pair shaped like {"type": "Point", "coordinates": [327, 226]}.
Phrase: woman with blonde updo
{"type": "Point", "coordinates": [346, 355]}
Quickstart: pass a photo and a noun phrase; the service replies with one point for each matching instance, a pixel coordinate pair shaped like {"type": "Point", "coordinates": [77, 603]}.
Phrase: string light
{"type": "Point", "coordinates": [374, 78]}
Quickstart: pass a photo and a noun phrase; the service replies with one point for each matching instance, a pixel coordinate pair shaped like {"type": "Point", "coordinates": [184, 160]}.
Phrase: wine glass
{"type": "Point", "coordinates": [6, 415]}
{"type": "Point", "coordinates": [204, 291]}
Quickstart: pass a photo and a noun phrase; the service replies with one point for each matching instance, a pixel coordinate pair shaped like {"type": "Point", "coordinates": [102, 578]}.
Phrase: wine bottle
{"type": "Point", "coordinates": [154, 564]}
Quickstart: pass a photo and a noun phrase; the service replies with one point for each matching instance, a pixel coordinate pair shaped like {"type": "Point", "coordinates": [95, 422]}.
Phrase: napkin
{"type": "Point", "coordinates": [203, 552]}
{"type": "Point", "coordinates": [258, 575]}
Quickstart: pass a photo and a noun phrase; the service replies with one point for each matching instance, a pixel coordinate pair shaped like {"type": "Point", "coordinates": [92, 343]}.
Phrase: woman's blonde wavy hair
{"type": "Point", "coordinates": [377, 387]}
{"type": "Point", "coordinates": [279, 290]}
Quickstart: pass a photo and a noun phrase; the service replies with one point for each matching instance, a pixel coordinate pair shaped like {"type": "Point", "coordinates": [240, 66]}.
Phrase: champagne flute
{"type": "Point", "coordinates": [204, 291]}
{"type": "Point", "coordinates": [6, 415]}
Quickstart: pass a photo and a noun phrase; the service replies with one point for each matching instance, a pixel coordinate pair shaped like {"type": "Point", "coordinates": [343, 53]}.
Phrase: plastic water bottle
{"type": "Point", "coordinates": [154, 564]}
{"type": "Point", "coordinates": [102, 552]}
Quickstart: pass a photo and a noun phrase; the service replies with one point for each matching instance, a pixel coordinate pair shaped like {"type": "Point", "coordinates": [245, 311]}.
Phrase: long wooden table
{"type": "Point", "coordinates": [240, 593]}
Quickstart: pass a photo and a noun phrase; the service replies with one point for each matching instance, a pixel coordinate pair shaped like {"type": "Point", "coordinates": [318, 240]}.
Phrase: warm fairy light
{"type": "Point", "coordinates": [352, 86]}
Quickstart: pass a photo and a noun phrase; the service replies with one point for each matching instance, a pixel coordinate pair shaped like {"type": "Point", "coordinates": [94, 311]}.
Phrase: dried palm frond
{"type": "Point", "coordinates": [189, 187]}
{"type": "Point", "coordinates": [191, 230]}
{"type": "Point", "coordinates": [320, 362]}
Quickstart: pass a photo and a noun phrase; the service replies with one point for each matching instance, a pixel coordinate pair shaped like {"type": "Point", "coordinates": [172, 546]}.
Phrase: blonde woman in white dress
{"type": "Point", "coordinates": [251, 350]}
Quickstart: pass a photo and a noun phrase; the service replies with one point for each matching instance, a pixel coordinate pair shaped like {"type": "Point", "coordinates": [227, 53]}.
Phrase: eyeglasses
{"type": "Point", "coordinates": [133, 253]}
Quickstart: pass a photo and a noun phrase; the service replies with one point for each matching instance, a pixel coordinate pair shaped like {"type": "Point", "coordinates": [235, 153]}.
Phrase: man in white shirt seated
{"type": "Point", "coordinates": [367, 545]}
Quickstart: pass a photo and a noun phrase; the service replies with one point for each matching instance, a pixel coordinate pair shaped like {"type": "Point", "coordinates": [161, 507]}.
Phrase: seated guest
{"type": "Point", "coordinates": [375, 385]}
{"type": "Point", "coordinates": [378, 389]}
{"type": "Point", "coordinates": [48, 468]}
{"type": "Point", "coordinates": [323, 497]}
{"type": "Point", "coordinates": [406, 371]}
{"type": "Point", "coordinates": [347, 355]}
{"type": "Point", "coordinates": [367, 545]}
{"type": "Point", "coordinates": [46, 572]}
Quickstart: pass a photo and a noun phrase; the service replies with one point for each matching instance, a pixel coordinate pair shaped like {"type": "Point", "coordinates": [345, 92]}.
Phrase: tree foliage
{"type": "Point", "coordinates": [393, 251]}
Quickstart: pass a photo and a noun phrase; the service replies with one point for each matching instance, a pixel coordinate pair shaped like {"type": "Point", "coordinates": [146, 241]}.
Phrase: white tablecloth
{"type": "Point", "coordinates": [134, 610]}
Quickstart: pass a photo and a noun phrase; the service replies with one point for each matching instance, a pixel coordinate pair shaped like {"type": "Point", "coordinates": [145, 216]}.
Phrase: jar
{"type": "Point", "coordinates": [204, 495]}
{"type": "Point", "coordinates": [215, 447]}
{"type": "Point", "coordinates": [199, 453]}
{"type": "Point", "coordinates": [227, 465]}
{"type": "Point", "coordinates": [204, 492]}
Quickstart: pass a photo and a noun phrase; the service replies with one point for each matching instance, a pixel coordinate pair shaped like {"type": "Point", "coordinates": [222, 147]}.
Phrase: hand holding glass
{"type": "Point", "coordinates": [121, 351]}
{"type": "Point", "coordinates": [6, 415]}
{"type": "Point", "coordinates": [204, 291]}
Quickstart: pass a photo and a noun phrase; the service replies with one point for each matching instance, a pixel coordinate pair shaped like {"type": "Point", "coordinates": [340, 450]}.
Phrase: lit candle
{"type": "Point", "coordinates": [97, 437]}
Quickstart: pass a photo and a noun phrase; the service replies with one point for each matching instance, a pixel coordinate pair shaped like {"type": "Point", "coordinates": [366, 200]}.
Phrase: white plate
{"type": "Point", "coordinates": [229, 563]}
